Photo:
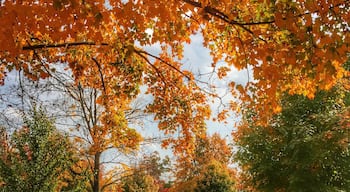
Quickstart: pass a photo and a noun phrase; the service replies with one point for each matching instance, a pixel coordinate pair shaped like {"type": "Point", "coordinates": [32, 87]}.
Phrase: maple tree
{"type": "Point", "coordinates": [290, 46]}
{"type": "Point", "coordinates": [79, 115]}
{"type": "Point", "coordinates": [295, 47]}
{"type": "Point", "coordinates": [104, 57]}
{"type": "Point", "coordinates": [93, 139]}
{"type": "Point", "coordinates": [304, 148]}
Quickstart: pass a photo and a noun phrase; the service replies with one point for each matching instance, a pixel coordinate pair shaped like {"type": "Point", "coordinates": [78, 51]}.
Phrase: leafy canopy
{"type": "Point", "coordinates": [215, 177]}
{"type": "Point", "coordinates": [292, 47]}
{"type": "Point", "coordinates": [304, 148]}
{"type": "Point", "coordinates": [38, 158]}
{"type": "Point", "coordinates": [208, 169]}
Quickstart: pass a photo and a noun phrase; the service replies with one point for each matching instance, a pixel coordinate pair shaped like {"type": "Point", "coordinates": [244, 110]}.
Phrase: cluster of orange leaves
{"type": "Point", "coordinates": [294, 47]}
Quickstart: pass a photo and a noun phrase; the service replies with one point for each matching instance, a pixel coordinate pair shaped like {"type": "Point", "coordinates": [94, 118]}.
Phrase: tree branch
{"type": "Point", "coordinates": [140, 52]}
{"type": "Point", "coordinates": [222, 16]}
{"type": "Point", "coordinates": [58, 45]}
{"type": "Point", "coordinates": [219, 14]}
{"type": "Point", "coordinates": [101, 74]}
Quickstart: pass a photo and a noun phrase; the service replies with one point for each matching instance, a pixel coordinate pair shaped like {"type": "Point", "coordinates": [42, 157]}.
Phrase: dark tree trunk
{"type": "Point", "coordinates": [96, 184]}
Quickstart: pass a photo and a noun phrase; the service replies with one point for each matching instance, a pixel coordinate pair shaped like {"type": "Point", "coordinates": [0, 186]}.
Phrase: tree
{"type": "Point", "coordinates": [139, 181]}
{"type": "Point", "coordinates": [214, 177]}
{"type": "Point", "coordinates": [114, 70]}
{"type": "Point", "coordinates": [304, 148]}
{"type": "Point", "coordinates": [283, 42]}
{"type": "Point", "coordinates": [292, 47]}
{"type": "Point", "coordinates": [37, 157]}
{"type": "Point", "coordinates": [146, 174]}
{"type": "Point", "coordinates": [90, 135]}
{"type": "Point", "coordinates": [76, 112]}
{"type": "Point", "coordinates": [207, 169]}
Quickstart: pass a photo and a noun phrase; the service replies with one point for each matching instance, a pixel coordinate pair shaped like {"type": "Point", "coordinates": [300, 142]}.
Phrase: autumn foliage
{"type": "Point", "coordinates": [290, 46]}
{"type": "Point", "coordinates": [294, 47]}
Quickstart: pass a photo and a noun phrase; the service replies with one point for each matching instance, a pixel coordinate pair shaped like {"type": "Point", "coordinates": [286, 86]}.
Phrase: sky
{"type": "Point", "coordinates": [196, 59]}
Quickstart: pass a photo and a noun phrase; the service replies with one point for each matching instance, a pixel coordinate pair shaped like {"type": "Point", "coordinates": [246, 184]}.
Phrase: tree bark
{"type": "Point", "coordinates": [96, 183]}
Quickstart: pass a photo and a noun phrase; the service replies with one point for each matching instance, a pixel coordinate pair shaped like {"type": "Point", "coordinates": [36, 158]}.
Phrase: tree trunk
{"type": "Point", "coordinates": [96, 185]}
